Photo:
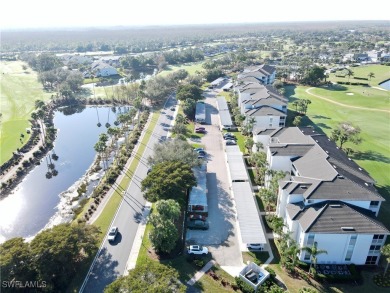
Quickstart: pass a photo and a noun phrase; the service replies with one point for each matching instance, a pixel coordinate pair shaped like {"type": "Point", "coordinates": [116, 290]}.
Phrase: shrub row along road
{"type": "Point", "coordinates": [112, 257]}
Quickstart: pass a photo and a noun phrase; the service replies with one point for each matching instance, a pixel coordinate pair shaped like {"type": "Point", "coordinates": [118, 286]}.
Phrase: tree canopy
{"type": "Point", "coordinates": [188, 91]}
{"type": "Point", "coordinates": [150, 277]}
{"type": "Point", "coordinates": [174, 150]}
{"type": "Point", "coordinates": [168, 180]}
{"type": "Point", "coordinates": [345, 132]}
{"type": "Point", "coordinates": [54, 256]}
{"type": "Point", "coordinates": [314, 75]}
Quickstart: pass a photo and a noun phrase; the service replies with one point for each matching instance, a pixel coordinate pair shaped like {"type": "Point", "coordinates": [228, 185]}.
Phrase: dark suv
{"type": "Point", "coordinates": [197, 224]}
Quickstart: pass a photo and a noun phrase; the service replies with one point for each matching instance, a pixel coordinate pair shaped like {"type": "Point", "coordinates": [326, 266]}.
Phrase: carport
{"type": "Point", "coordinates": [249, 221]}
{"type": "Point", "coordinates": [224, 113]}
{"type": "Point", "coordinates": [197, 202]}
{"type": "Point", "coordinates": [236, 165]}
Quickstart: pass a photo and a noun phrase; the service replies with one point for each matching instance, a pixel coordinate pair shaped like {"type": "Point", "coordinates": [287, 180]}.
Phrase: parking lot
{"type": "Point", "coordinates": [221, 238]}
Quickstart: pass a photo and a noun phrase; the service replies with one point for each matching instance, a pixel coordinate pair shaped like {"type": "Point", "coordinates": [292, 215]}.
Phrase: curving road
{"type": "Point", "coordinates": [112, 258]}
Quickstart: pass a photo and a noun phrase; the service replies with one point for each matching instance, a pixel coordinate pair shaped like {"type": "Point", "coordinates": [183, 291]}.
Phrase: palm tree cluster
{"type": "Point", "coordinates": [301, 105]}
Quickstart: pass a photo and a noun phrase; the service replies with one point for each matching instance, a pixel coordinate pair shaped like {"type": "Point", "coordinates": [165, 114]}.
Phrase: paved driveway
{"type": "Point", "coordinates": [221, 238]}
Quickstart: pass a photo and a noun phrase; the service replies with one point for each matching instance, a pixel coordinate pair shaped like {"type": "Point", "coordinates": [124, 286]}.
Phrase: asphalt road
{"type": "Point", "coordinates": [112, 258]}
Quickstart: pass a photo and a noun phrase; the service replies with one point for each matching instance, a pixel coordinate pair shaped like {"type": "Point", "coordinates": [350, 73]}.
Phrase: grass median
{"type": "Point", "coordinates": [105, 218]}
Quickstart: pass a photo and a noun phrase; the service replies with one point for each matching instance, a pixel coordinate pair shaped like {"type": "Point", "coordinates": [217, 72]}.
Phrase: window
{"type": "Point", "coordinates": [378, 239]}
{"type": "Point", "coordinates": [309, 243]}
{"type": "Point", "coordinates": [351, 247]}
{"type": "Point", "coordinates": [374, 249]}
{"type": "Point", "coordinates": [371, 260]}
{"type": "Point", "coordinates": [374, 204]}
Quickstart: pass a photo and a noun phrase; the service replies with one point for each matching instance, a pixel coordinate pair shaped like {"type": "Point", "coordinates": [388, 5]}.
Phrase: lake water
{"type": "Point", "coordinates": [385, 85]}
{"type": "Point", "coordinates": [35, 200]}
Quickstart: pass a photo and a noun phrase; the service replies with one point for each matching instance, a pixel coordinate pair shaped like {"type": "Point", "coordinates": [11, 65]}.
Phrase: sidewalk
{"type": "Point", "coordinates": [200, 273]}
{"type": "Point", "coordinates": [132, 261]}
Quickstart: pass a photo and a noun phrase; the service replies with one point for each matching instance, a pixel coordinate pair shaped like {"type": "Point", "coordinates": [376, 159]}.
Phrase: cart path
{"type": "Point", "coordinates": [344, 105]}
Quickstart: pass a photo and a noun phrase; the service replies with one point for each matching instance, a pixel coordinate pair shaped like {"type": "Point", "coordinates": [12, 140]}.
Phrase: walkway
{"type": "Point", "coordinates": [344, 105]}
{"type": "Point", "coordinates": [25, 157]}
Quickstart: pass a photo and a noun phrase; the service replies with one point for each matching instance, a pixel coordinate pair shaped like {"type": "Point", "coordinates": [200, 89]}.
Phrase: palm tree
{"type": "Point", "coordinates": [349, 73]}
{"type": "Point", "coordinates": [293, 252]}
{"type": "Point", "coordinates": [371, 75]}
{"type": "Point", "coordinates": [295, 104]}
{"type": "Point", "coordinates": [314, 252]}
{"type": "Point", "coordinates": [100, 147]}
{"type": "Point", "coordinates": [385, 251]}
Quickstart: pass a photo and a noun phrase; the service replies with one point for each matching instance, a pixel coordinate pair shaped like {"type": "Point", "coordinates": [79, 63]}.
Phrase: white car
{"type": "Point", "coordinates": [112, 234]}
{"type": "Point", "coordinates": [254, 246]}
{"type": "Point", "coordinates": [197, 249]}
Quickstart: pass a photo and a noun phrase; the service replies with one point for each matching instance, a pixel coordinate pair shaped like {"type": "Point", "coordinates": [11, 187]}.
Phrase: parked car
{"type": "Point", "coordinates": [199, 149]}
{"type": "Point", "coordinates": [197, 217]}
{"type": "Point", "coordinates": [200, 130]}
{"type": "Point", "coordinates": [254, 246]}
{"type": "Point", "coordinates": [112, 234]}
{"type": "Point", "coordinates": [228, 137]}
{"type": "Point", "coordinates": [197, 225]}
{"type": "Point", "coordinates": [226, 127]}
{"type": "Point", "coordinates": [200, 127]}
{"type": "Point", "coordinates": [201, 156]}
{"type": "Point", "coordinates": [228, 134]}
{"type": "Point", "coordinates": [201, 152]}
{"type": "Point", "coordinates": [173, 108]}
{"type": "Point", "coordinates": [149, 170]}
{"type": "Point", "coordinates": [197, 249]}
{"type": "Point", "coordinates": [230, 142]}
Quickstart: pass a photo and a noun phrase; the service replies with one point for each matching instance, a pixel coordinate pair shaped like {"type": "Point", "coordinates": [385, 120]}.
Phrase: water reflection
{"type": "Point", "coordinates": [35, 200]}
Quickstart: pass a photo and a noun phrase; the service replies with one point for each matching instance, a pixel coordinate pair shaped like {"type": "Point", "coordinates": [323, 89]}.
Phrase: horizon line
{"type": "Point", "coordinates": [40, 28]}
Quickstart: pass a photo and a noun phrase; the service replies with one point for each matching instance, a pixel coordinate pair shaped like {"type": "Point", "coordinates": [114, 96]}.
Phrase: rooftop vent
{"type": "Point", "coordinates": [348, 228]}
{"type": "Point", "coordinates": [334, 166]}
{"type": "Point", "coordinates": [340, 176]}
{"type": "Point", "coordinates": [335, 205]}
{"type": "Point", "coordinates": [303, 186]}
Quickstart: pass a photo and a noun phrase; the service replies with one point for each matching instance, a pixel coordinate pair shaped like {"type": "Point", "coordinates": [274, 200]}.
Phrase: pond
{"type": "Point", "coordinates": [35, 200]}
{"type": "Point", "coordinates": [385, 85]}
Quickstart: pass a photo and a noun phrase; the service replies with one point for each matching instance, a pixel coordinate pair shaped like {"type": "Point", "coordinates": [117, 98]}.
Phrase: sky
{"type": "Point", "coordinates": [95, 13]}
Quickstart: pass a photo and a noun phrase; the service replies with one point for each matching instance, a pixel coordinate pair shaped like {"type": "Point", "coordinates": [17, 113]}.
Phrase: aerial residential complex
{"type": "Point", "coordinates": [259, 100]}
{"type": "Point", "coordinates": [326, 199]}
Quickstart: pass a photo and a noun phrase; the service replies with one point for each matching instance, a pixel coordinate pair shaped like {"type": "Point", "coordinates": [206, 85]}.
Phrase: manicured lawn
{"type": "Point", "coordinates": [381, 72]}
{"type": "Point", "coordinates": [258, 257]}
{"type": "Point", "coordinates": [191, 68]}
{"type": "Point", "coordinates": [352, 95]}
{"type": "Point", "coordinates": [19, 91]}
